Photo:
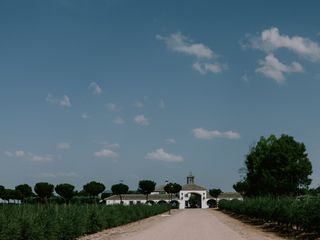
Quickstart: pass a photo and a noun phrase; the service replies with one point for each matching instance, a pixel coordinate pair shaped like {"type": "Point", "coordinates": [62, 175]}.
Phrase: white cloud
{"type": "Point", "coordinates": [180, 43]}
{"type": "Point", "coordinates": [161, 155]}
{"type": "Point", "coordinates": [96, 89]}
{"type": "Point", "coordinates": [271, 39]}
{"type": "Point", "coordinates": [141, 120]}
{"type": "Point", "coordinates": [63, 145]}
{"type": "Point", "coordinates": [272, 68]}
{"type": "Point", "coordinates": [201, 133]}
{"type": "Point", "coordinates": [106, 153]}
{"type": "Point", "coordinates": [170, 140]}
{"type": "Point", "coordinates": [30, 156]}
{"type": "Point", "coordinates": [203, 68]}
{"type": "Point", "coordinates": [245, 77]}
{"type": "Point", "coordinates": [138, 104]}
{"type": "Point", "coordinates": [85, 116]}
{"type": "Point", "coordinates": [119, 120]}
{"type": "Point", "coordinates": [113, 107]}
{"type": "Point", "coordinates": [61, 101]}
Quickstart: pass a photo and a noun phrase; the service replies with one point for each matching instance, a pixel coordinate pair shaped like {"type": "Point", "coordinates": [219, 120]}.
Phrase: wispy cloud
{"type": "Point", "coordinates": [182, 44]}
{"type": "Point", "coordinates": [270, 40]}
{"type": "Point", "coordinates": [272, 68]}
{"type": "Point", "coordinates": [162, 105]}
{"type": "Point", "coordinates": [113, 107]}
{"type": "Point", "coordinates": [64, 145]}
{"type": "Point", "coordinates": [96, 89]}
{"type": "Point", "coordinates": [29, 156]}
{"type": "Point", "coordinates": [106, 153]}
{"type": "Point", "coordinates": [61, 101]}
{"type": "Point", "coordinates": [141, 120]}
{"type": "Point", "coordinates": [85, 116]}
{"type": "Point", "coordinates": [119, 121]}
{"type": "Point", "coordinates": [161, 155]}
{"type": "Point", "coordinates": [170, 140]}
{"type": "Point", "coordinates": [201, 133]}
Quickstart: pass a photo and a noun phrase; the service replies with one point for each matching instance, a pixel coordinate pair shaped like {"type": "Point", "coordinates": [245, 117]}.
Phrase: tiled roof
{"type": "Point", "coordinates": [192, 187]}
{"type": "Point", "coordinates": [139, 197]}
{"type": "Point", "coordinates": [229, 195]}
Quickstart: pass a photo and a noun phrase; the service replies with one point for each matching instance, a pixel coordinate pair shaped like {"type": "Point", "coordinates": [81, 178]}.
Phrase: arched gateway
{"type": "Point", "coordinates": [190, 196]}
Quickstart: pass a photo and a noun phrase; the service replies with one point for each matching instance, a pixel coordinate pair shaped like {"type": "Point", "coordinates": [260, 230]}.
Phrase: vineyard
{"type": "Point", "coordinates": [55, 222]}
{"type": "Point", "coordinates": [302, 214]}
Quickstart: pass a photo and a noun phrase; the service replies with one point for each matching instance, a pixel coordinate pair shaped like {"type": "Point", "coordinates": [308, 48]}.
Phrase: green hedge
{"type": "Point", "coordinates": [301, 213]}
{"type": "Point", "coordinates": [55, 222]}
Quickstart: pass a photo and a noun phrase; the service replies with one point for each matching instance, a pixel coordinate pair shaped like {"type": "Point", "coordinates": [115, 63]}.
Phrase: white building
{"type": "Point", "coordinates": [190, 196]}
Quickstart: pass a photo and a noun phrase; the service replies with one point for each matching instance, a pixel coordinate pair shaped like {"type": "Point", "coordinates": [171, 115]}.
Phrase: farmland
{"type": "Point", "coordinates": [299, 214]}
{"type": "Point", "coordinates": [55, 222]}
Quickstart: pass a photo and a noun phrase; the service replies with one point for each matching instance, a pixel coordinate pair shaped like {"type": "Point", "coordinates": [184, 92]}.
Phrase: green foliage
{"type": "Point", "coordinates": [94, 188]}
{"type": "Point", "coordinates": [66, 222]}
{"type": "Point", "coordinates": [276, 166]}
{"type": "Point", "coordinates": [215, 192]}
{"type": "Point", "coordinates": [119, 189]}
{"type": "Point", "coordinates": [23, 191]}
{"type": "Point", "coordinates": [66, 191]}
{"type": "Point", "coordinates": [44, 190]}
{"type": "Point", "coordinates": [302, 213]}
{"type": "Point", "coordinates": [146, 187]}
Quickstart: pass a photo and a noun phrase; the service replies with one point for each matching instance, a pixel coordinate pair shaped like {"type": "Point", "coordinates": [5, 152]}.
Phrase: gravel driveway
{"type": "Point", "coordinates": [191, 224]}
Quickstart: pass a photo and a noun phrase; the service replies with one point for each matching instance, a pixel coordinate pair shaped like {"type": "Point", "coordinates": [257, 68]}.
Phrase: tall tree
{"type": "Point", "coordinates": [44, 191]}
{"type": "Point", "coordinates": [94, 188]}
{"type": "Point", "coordinates": [66, 191]}
{"type": "Point", "coordinates": [215, 192]}
{"type": "Point", "coordinates": [1, 191]}
{"type": "Point", "coordinates": [276, 166]}
{"type": "Point", "coordinates": [119, 189]}
{"type": "Point", "coordinates": [172, 189]}
{"type": "Point", "coordinates": [23, 191]}
{"type": "Point", "coordinates": [146, 187]}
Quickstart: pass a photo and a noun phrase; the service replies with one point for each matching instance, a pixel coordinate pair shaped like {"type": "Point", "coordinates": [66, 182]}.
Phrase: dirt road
{"type": "Point", "coordinates": [191, 224]}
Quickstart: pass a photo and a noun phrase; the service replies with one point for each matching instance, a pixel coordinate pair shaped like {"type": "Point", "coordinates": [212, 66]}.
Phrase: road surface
{"type": "Point", "coordinates": [189, 224]}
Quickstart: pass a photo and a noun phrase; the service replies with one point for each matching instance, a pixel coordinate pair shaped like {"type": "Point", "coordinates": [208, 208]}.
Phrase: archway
{"type": "Point", "coordinates": [194, 201]}
{"type": "Point", "coordinates": [150, 202]}
{"type": "Point", "coordinates": [212, 203]}
{"type": "Point", "coordinates": [162, 202]}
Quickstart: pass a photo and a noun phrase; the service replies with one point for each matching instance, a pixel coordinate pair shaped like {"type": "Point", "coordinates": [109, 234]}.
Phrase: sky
{"type": "Point", "coordinates": [120, 91]}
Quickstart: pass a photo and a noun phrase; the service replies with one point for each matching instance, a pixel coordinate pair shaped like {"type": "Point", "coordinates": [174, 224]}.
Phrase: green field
{"type": "Point", "coordinates": [53, 222]}
{"type": "Point", "coordinates": [302, 214]}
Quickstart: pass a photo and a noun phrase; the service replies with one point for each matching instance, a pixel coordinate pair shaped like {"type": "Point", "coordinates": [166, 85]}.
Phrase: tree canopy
{"type": "Point", "coordinates": [119, 189]}
{"type": "Point", "coordinates": [66, 191]}
{"type": "Point", "coordinates": [44, 190]}
{"type": "Point", "coordinates": [276, 166]}
{"type": "Point", "coordinates": [23, 191]}
{"type": "Point", "coordinates": [146, 187]}
{"type": "Point", "coordinates": [172, 188]}
{"type": "Point", "coordinates": [94, 188]}
{"type": "Point", "coordinates": [215, 192]}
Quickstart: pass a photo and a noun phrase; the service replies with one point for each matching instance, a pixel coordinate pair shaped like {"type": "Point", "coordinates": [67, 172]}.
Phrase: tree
{"type": "Point", "coordinates": [23, 191]}
{"type": "Point", "coordinates": [146, 187]}
{"type": "Point", "coordinates": [66, 191]}
{"type": "Point", "coordinates": [44, 191]}
{"type": "Point", "coordinates": [1, 191]}
{"type": "Point", "coordinates": [276, 166]}
{"type": "Point", "coordinates": [215, 192]}
{"type": "Point", "coordinates": [240, 187]}
{"type": "Point", "coordinates": [172, 188]}
{"type": "Point", "coordinates": [119, 189]}
{"type": "Point", "coordinates": [94, 188]}
{"type": "Point", "coordinates": [9, 194]}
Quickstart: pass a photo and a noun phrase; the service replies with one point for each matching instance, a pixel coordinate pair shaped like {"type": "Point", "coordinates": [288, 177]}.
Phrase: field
{"type": "Point", "coordinates": [55, 222]}
{"type": "Point", "coordinates": [299, 214]}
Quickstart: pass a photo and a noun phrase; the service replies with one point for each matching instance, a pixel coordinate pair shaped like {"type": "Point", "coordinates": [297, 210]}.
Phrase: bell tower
{"type": "Point", "coordinates": [190, 178]}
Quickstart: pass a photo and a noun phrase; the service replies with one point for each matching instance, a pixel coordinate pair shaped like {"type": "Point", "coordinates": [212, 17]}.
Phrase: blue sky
{"type": "Point", "coordinates": [129, 90]}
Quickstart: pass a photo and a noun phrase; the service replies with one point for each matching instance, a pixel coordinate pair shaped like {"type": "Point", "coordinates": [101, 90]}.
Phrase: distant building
{"type": "Point", "coordinates": [190, 196]}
